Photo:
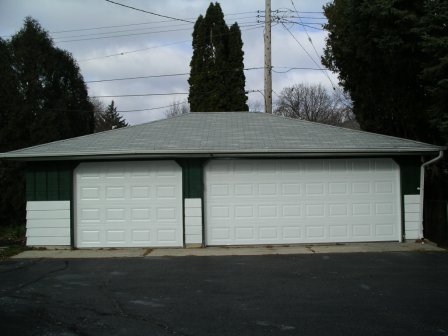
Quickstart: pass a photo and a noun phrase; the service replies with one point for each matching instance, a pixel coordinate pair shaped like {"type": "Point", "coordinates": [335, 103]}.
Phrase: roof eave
{"type": "Point", "coordinates": [219, 154]}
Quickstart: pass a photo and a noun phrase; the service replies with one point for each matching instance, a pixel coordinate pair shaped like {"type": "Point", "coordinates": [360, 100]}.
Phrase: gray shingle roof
{"type": "Point", "coordinates": [236, 133]}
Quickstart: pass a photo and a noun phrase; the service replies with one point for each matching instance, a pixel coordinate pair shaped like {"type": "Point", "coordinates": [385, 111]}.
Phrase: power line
{"type": "Point", "coordinates": [142, 23]}
{"type": "Point", "coordinates": [121, 31]}
{"type": "Point", "coordinates": [148, 12]}
{"type": "Point", "coordinates": [138, 77]}
{"type": "Point", "coordinates": [242, 23]}
{"type": "Point", "coordinates": [108, 27]}
{"type": "Point", "coordinates": [299, 68]}
{"type": "Point", "coordinates": [154, 94]}
{"type": "Point", "coordinates": [303, 24]}
{"type": "Point", "coordinates": [187, 73]}
{"type": "Point", "coordinates": [254, 26]}
{"type": "Point", "coordinates": [134, 24]}
{"type": "Point", "coordinates": [119, 111]}
{"type": "Point", "coordinates": [152, 108]}
{"type": "Point", "coordinates": [142, 95]}
{"type": "Point", "coordinates": [312, 58]}
{"type": "Point", "coordinates": [133, 51]}
{"type": "Point", "coordinates": [154, 47]}
{"type": "Point", "coordinates": [304, 28]}
{"type": "Point", "coordinates": [123, 35]}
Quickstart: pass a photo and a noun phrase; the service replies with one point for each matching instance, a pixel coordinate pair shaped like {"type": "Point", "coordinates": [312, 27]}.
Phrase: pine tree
{"type": "Point", "coordinates": [109, 119]}
{"type": "Point", "coordinates": [236, 77]}
{"type": "Point", "coordinates": [216, 79]}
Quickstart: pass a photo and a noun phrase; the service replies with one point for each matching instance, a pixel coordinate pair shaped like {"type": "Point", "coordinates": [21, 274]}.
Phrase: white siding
{"type": "Point", "coordinates": [48, 223]}
{"type": "Point", "coordinates": [193, 221]}
{"type": "Point", "coordinates": [412, 217]}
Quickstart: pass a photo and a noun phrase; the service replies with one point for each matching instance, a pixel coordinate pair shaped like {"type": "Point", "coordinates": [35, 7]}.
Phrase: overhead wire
{"type": "Point", "coordinates": [134, 51]}
{"type": "Point", "coordinates": [158, 76]}
{"type": "Point", "coordinates": [135, 24]}
{"type": "Point", "coordinates": [123, 35]}
{"type": "Point", "coordinates": [302, 24]}
{"type": "Point", "coordinates": [241, 24]}
{"type": "Point", "coordinates": [141, 95]}
{"type": "Point", "coordinates": [246, 25]}
{"type": "Point", "coordinates": [121, 111]}
{"type": "Point", "coordinates": [152, 108]}
{"type": "Point", "coordinates": [312, 58]}
{"type": "Point", "coordinates": [148, 12]}
{"type": "Point", "coordinates": [187, 73]}
{"type": "Point", "coordinates": [121, 31]}
{"type": "Point", "coordinates": [304, 28]}
{"type": "Point", "coordinates": [153, 47]}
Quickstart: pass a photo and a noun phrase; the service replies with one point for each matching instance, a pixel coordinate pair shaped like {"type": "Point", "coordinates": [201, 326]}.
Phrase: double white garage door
{"type": "Point", "coordinates": [246, 202]}
{"type": "Point", "coordinates": [301, 201]}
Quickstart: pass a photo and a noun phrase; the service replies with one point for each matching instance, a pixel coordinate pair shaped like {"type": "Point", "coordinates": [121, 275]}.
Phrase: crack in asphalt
{"type": "Point", "coordinates": [28, 265]}
{"type": "Point", "coordinates": [26, 284]}
{"type": "Point", "coordinates": [118, 306]}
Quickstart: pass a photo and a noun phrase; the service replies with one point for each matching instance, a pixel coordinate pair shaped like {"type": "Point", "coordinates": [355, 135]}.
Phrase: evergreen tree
{"type": "Point", "coordinates": [236, 77]}
{"type": "Point", "coordinates": [12, 203]}
{"type": "Point", "coordinates": [54, 96]}
{"type": "Point", "coordinates": [216, 78]}
{"type": "Point", "coordinates": [108, 119]}
{"type": "Point", "coordinates": [391, 58]}
{"type": "Point", "coordinates": [434, 32]}
{"type": "Point", "coordinates": [43, 98]}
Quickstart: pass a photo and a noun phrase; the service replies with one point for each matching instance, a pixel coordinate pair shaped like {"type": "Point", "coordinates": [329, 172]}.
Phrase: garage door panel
{"type": "Point", "coordinates": [340, 200]}
{"type": "Point", "coordinates": [128, 204]}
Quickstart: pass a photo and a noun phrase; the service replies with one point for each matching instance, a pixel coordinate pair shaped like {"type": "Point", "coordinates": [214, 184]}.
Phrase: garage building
{"type": "Point", "coordinates": [212, 179]}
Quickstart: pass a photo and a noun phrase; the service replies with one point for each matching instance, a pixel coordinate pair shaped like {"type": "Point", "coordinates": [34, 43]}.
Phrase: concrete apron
{"type": "Point", "coordinates": [230, 251]}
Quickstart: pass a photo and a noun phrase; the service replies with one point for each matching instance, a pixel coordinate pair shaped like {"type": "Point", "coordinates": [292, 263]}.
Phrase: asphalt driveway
{"type": "Point", "coordinates": [398, 293]}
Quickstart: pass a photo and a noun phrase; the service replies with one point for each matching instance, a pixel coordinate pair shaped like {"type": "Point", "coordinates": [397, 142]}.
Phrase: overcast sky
{"type": "Point", "coordinates": [149, 45]}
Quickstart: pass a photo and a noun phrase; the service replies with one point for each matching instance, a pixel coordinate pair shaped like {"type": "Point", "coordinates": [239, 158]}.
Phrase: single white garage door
{"type": "Point", "coordinates": [301, 201]}
{"type": "Point", "coordinates": [128, 204]}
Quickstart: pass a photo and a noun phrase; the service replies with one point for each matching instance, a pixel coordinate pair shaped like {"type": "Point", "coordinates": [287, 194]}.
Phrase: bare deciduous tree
{"type": "Point", "coordinates": [255, 106]}
{"type": "Point", "coordinates": [314, 103]}
{"type": "Point", "coordinates": [177, 108]}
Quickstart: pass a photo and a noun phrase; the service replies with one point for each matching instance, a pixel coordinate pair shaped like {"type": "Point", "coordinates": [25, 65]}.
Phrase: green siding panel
{"type": "Point", "coordinates": [409, 175]}
{"type": "Point", "coordinates": [30, 186]}
{"type": "Point", "coordinates": [65, 184]}
{"type": "Point", "coordinates": [41, 186]}
{"type": "Point", "coordinates": [49, 182]}
{"type": "Point", "coordinates": [52, 185]}
{"type": "Point", "coordinates": [192, 177]}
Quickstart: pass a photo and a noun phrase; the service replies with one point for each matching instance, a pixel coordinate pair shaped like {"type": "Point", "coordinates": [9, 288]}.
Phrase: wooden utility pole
{"type": "Point", "coordinates": [267, 58]}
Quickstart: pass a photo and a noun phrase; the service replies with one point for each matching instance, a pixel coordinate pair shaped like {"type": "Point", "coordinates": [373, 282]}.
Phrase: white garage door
{"type": "Point", "coordinates": [128, 204]}
{"type": "Point", "coordinates": [301, 201]}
